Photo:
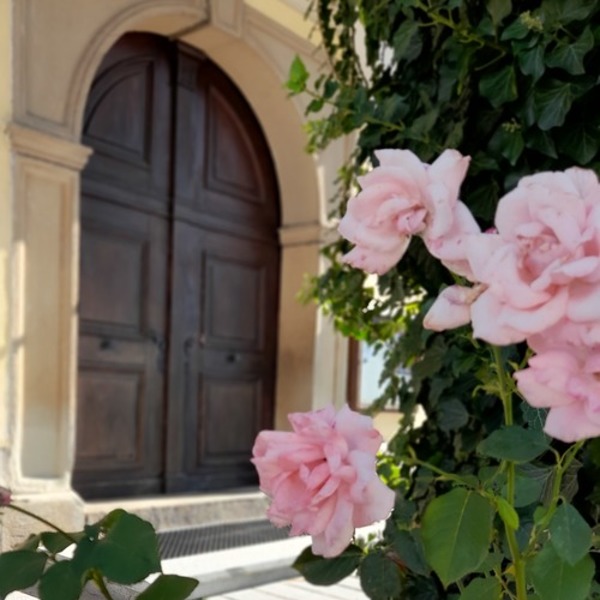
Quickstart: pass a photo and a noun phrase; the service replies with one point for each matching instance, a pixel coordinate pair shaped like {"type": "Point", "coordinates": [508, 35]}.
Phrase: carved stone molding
{"type": "Point", "coordinates": [48, 148]}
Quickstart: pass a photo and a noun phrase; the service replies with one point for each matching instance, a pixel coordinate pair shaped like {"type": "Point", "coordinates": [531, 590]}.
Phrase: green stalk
{"type": "Point", "coordinates": [506, 397]}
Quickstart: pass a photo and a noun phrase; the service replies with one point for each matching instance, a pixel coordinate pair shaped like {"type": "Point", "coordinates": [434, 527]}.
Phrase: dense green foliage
{"type": "Point", "coordinates": [515, 86]}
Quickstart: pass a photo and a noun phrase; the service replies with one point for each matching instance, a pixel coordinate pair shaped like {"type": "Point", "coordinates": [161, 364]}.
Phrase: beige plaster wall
{"type": "Point", "coordinates": [6, 404]}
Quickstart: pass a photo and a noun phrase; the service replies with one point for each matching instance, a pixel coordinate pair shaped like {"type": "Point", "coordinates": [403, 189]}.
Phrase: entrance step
{"type": "Point", "coordinates": [180, 512]}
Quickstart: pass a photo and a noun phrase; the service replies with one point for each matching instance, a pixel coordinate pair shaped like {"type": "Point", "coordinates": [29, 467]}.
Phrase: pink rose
{"type": "Point", "coordinates": [543, 265]}
{"type": "Point", "coordinates": [321, 476]}
{"type": "Point", "coordinates": [567, 382]}
{"type": "Point", "coordinates": [403, 197]}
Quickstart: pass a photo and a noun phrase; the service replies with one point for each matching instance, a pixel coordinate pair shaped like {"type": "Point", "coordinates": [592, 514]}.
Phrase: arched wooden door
{"type": "Point", "coordinates": [179, 277]}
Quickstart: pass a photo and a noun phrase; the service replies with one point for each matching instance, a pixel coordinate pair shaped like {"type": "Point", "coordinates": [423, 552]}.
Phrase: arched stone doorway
{"type": "Point", "coordinates": [179, 276]}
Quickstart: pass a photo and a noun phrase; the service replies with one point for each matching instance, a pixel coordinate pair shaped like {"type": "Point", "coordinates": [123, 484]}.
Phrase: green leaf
{"type": "Point", "coordinates": [173, 587]}
{"type": "Point", "coordinates": [482, 589]}
{"type": "Point", "coordinates": [456, 531]}
{"type": "Point", "coordinates": [570, 56]}
{"type": "Point", "coordinates": [570, 535]}
{"type": "Point", "coordinates": [513, 443]}
{"type": "Point", "coordinates": [508, 142]}
{"type": "Point", "coordinates": [499, 87]}
{"type": "Point", "coordinates": [55, 542]}
{"type": "Point", "coordinates": [498, 9]}
{"type": "Point", "coordinates": [563, 12]}
{"type": "Point", "coordinates": [298, 76]}
{"type": "Point", "coordinates": [327, 571]}
{"type": "Point", "coordinates": [542, 142]}
{"type": "Point", "coordinates": [409, 551]}
{"type": "Point", "coordinates": [61, 582]}
{"type": "Point", "coordinates": [551, 104]}
{"type": "Point", "coordinates": [555, 579]}
{"type": "Point", "coordinates": [380, 577]}
{"type": "Point", "coordinates": [452, 415]}
{"type": "Point", "coordinates": [580, 141]}
{"type": "Point", "coordinates": [507, 513]}
{"type": "Point", "coordinates": [20, 569]}
{"type": "Point", "coordinates": [407, 41]}
{"type": "Point", "coordinates": [532, 61]}
{"type": "Point", "coordinates": [31, 543]}
{"type": "Point", "coordinates": [530, 482]}
{"type": "Point", "coordinates": [127, 553]}
{"type": "Point", "coordinates": [517, 30]}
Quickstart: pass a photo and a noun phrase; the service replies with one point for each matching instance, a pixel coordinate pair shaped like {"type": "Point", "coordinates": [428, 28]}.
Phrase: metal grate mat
{"type": "Point", "coordinates": [220, 536]}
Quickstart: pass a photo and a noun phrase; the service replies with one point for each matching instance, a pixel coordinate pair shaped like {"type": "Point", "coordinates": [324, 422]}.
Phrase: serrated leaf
{"type": "Point", "coordinates": [513, 443]}
{"type": "Point", "coordinates": [61, 582]}
{"type": "Point", "coordinates": [409, 551]}
{"type": "Point", "coordinates": [555, 579]}
{"type": "Point", "coordinates": [20, 569]}
{"type": "Point", "coordinates": [552, 103]}
{"type": "Point", "coordinates": [380, 577]}
{"type": "Point", "coordinates": [173, 587]}
{"type": "Point", "coordinates": [570, 535]}
{"type": "Point", "coordinates": [570, 56]}
{"type": "Point", "coordinates": [499, 87]}
{"type": "Point", "coordinates": [327, 571]}
{"type": "Point", "coordinates": [482, 589]}
{"type": "Point", "coordinates": [456, 532]}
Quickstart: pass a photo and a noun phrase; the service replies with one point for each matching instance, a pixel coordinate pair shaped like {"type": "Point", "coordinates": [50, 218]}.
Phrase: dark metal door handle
{"type": "Point", "coordinates": [160, 343]}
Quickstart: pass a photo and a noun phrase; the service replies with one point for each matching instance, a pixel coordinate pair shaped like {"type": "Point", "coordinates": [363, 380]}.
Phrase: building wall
{"type": "Point", "coordinates": [49, 52]}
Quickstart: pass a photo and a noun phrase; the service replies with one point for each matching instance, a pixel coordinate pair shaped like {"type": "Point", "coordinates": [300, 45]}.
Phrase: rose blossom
{"type": "Point", "coordinates": [452, 308]}
{"type": "Point", "coordinates": [321, 476]}
{"type": "Point", "coordinates": [403, 197]}
{"type": "Point", "coordinates": [543, 265]}
{"type": "Point", "coordinates": [567, 381]}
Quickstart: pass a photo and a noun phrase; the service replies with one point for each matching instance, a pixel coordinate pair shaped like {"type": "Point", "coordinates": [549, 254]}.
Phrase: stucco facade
{"type": "Point", "coordinates": [49, 53]}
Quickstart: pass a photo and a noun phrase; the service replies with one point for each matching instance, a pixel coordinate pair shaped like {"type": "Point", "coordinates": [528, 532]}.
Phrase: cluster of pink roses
{"type": "Point", "coordinates": [535, 278]}
{"type": "Point", "coordinates": [321, 476]}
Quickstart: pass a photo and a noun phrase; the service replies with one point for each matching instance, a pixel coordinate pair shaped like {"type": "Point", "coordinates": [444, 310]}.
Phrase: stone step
{"type": "Point", "coordinates": [192, 510]}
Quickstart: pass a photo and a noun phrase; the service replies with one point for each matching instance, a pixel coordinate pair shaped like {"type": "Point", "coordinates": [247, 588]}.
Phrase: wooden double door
{"type": "Point", "coordinates": [178, 277]}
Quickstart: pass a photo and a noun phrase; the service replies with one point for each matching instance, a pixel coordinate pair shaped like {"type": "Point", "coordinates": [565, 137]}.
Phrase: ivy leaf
{"type": "Point", "coordinates": [380, 577]}
{"type": "Point", "coordinates": [20, 569]}
{"type": "Point", "coordinates": [551, 104]}
{"type": "Point", "coordinates": [541, 141]}
{"type": "Point", "coordinates": [555, 579]}
{"type": "Point", "coordinates": [580, 141]}
{"type": "Point", "coordinates": [488, 588]}
{"type": "Point", "coordinates": [563, 12]}
{"type": "Point", "coordinates": [452, 415]}
{"type": "Point", "coordinates": [61, 582]}
{"type": "Point", "coordinates": [498, 9]}
{"type": "Point", "coordinates": [173, 587]}
{"type": "Point", "coordinates": [570, 535]}
{"type": "Point", "coordinates": [532, 61]}
{"type": "Point", "coordinates": [327, 571]}
{"type": "Point", "coordinates": [298, 76]}
{"type": "Point", "coordinates": [499, 87]}
{"type": "Point", "coordinates": [569, 57]}
{"type": "Point", "coordinates": [513, 443]}
{"type": "Point", "coordinates": [456, 531]}
{"type": "Point", "coordinates": [508, 143]}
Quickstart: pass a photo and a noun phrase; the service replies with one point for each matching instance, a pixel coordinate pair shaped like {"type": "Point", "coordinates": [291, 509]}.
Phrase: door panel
{"type": "Point", "coordinates": [121, 350]}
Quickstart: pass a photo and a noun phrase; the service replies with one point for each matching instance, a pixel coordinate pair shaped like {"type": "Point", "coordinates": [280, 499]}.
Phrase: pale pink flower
{"type": "Point", "coordinates": [452, 308]}
{"type": "Point", "coordinates": [403, 197]}
{"type": "Point", "coordinates": [543, 265]}
{"type": "Point", "coordinates": [321, 476]}
{"type": "Point", "coordinates": [567, 381]}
